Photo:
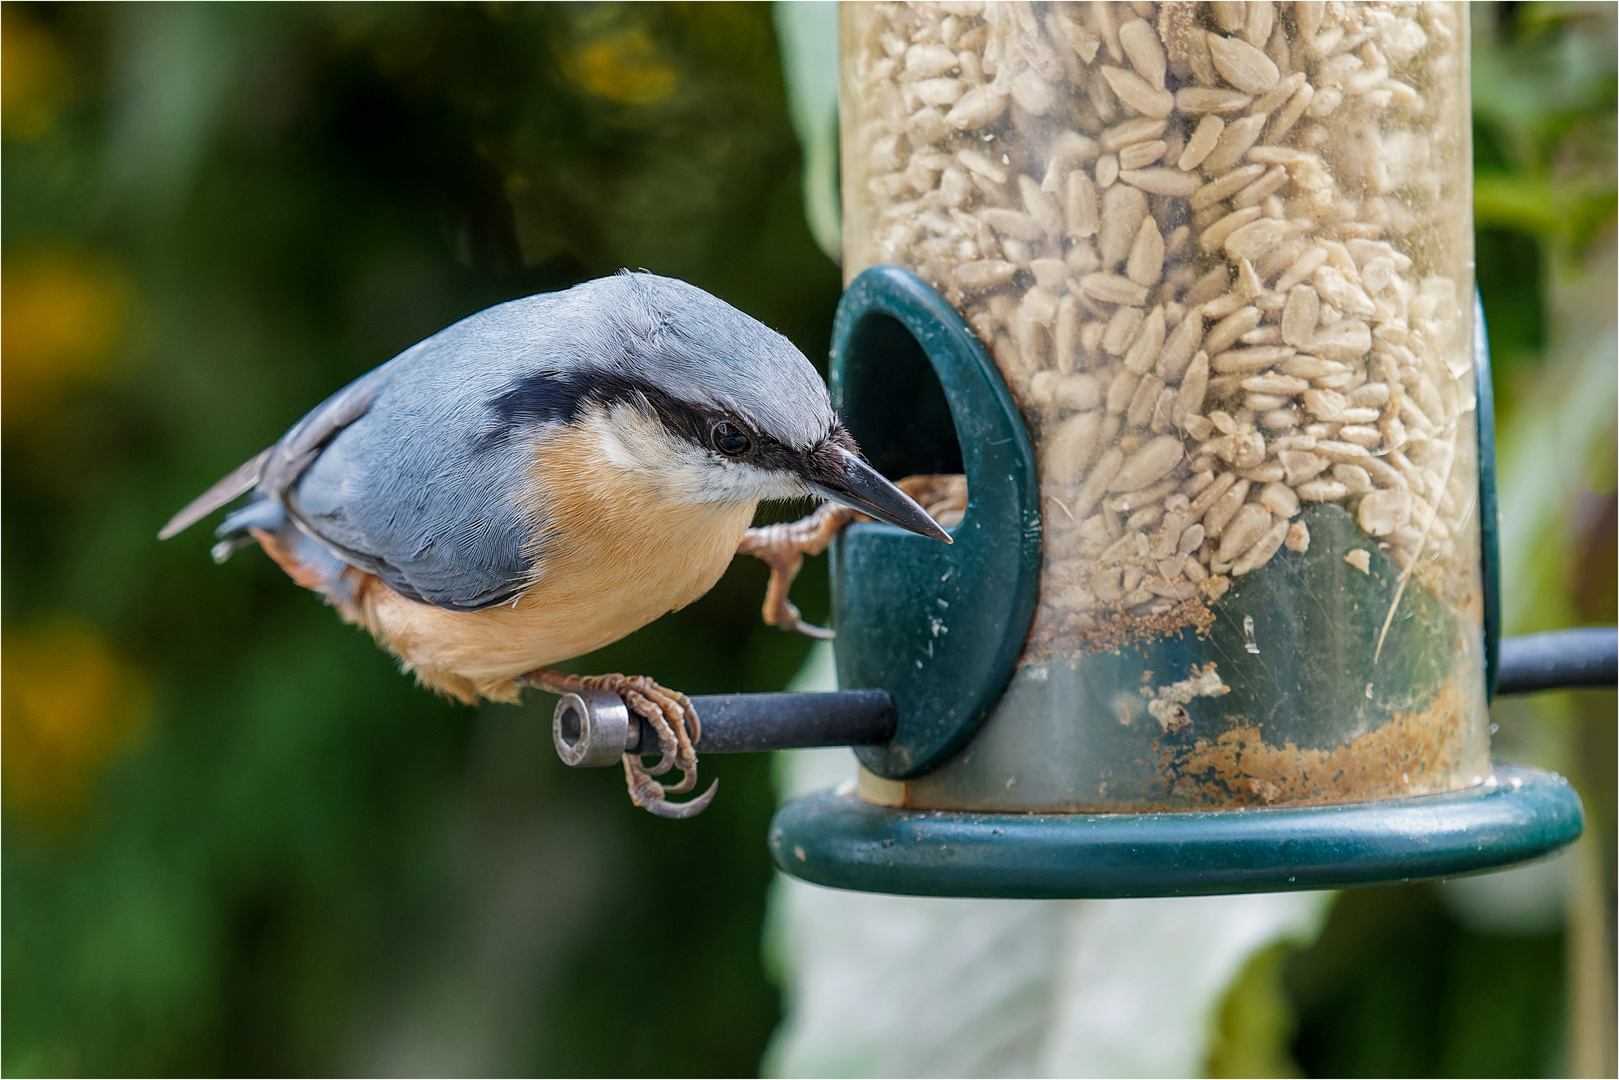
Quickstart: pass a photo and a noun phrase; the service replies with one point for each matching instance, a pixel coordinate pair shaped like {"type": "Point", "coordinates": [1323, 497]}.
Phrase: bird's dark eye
{"type": "Point", "coordinates": [729, 439]}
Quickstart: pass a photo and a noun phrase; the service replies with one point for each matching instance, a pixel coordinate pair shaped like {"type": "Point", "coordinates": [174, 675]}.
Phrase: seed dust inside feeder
{"type": "Point", "coordinates": [1190, 286]}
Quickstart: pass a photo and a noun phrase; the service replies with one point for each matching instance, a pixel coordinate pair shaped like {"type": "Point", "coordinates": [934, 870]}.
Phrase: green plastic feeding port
{"type": "Point", "coordinates": [1100, 692]}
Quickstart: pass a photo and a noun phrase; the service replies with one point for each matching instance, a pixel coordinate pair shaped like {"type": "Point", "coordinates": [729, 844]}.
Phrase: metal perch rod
{"type": "Point", "coordinates": [1560, 659]}
{"type": "Point", "coordinates": [595, 728]}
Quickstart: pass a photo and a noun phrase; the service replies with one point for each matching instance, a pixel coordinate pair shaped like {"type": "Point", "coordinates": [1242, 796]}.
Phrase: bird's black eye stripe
{"type": "Point", "coordinates": [729, 439]}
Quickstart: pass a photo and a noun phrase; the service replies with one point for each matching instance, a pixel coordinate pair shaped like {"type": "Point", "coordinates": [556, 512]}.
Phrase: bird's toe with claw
{"type": "Point", "coordinates": [673, 720]}
{"type": "Point", "coordinates": [783, 546]}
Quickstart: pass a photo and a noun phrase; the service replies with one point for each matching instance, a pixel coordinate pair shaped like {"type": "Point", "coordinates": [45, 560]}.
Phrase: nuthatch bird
{"type": "Point", "coordinates": [544, 477]}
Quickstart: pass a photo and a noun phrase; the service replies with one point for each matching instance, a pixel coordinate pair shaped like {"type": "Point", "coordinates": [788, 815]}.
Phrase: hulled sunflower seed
{"type": "Point", "coordinates": [1148, 343]}
{"type": "Point", "coordinates": [1211, 491]}
{"type": "Point", "coordinates": [981, 165]}
{"type": "Point", "coordinates": [1096, 482]}
{"type": "Point", "coordinates": [1353, 477]}
{"type": "Point", "coordinates": [1161, 181]}
{"type": "Point", "coordinates": [1138, 94]}
{"type": "Point", "coordinates": [1079, 205]}
{"type": "Point", "coordinates": [1013, 223]}
{"type": "Point", "coordinates": [985, 274]}
{"type": "Point", "coordinates": [1297, 105]}
{"type": "Point", "coordinates": [1203, 140]}
{"type": "Point", "coordinates": [1216, 234]}
{"type": "Point", "coordinates": [1193, 388]}
{"type": "Point", "coordinates": [1300, 315]}
{"type": "Point", "coordinates": [976, 108]}
{"type": "Point", "coordinates": [1073, 446]}
{"type": "Point", "coordinates": [1285, 385]}
{"type": "Point", "coordinates": [1040, 206]}
{"type": "Point", "coordinates": [1249, 360]}
{"type": "Point", "coordinates": [1224, 509]}
{"type": "Point", "coordinates": [1123, 210]}
{"type": "Point", "coordinates": [1382, 511]}
{"type": "Point", "coordinates": [1255, 238]}
{"type": "Point", "coordinates": [1132, 132]}
{"type": "Point", "coordinates": [1139, 414]}
{"type": "Point", "coordinates": [1230, 14]}
{"type": "Point", "coordinates": [1261, 551]}
{"type": "Point", "coordinates": [1121, 329]}
{"type": "Point", "coordinates": [1182, 342]}
{"type": "Point", "coordinates": [927, 61]}
{"type": "Point", "coordinates": [1279, 499]}
{"type": "Point", "coordinates": [1140, 44]}
{"type": "Point", "coordinates": [1146, 263]}
{"type": "Point", "coordinates": [1235, 141]}
{"type": "Point", "coordinates": [1242, 65]}
{"type": "Point", "coordinates": [1345, 340]}
{"type": "Point", "coordinates": [1223, 187]}
{"type": "Point", "coordinates": [1273, 180]}
{"type": "Point", "coordinates": [1139, 156]}
{"type": "Point", "coordinates": [1150, 463]}
{"type": "Point", "coordinates": [1113, 289]}
{"type": "Point", "coordinates": [1306, 264]}
{"type": "Point", "coordinates": [1279, 94]}
{"type": "Point", "coordinates": [1205, 99]}
{"type": "Point", "coordinates": [1321, 490]}
{"type": "Point", "coordinates": [1121, 389]}
{"type": "Point", "coordinates": [1226, 332]}
{"type": "Point", "coordinates": [1301, 465]}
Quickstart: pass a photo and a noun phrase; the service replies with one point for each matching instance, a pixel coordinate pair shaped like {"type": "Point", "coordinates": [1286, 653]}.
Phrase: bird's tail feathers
{"type": "Point", "coordinates": [240, 481]}
{"type": "Point", "coordinates": [236, 531]}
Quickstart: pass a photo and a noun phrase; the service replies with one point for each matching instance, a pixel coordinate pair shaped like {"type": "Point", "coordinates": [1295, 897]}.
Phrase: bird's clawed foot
{"type": "Point", "coordinates": [783, 546]}
{"type": "Point", "coordinates": [670, 715]}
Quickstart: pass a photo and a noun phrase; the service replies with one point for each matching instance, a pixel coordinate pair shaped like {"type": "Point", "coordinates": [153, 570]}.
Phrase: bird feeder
{"type": "Point", "coordinates": [1185, 291]}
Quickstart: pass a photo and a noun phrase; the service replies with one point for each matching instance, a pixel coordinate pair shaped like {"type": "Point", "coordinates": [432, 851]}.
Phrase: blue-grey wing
{"type": "Point", "coordinates": [433, 525]}
{"type": "Point", "coordinates": [420, 491]}
{"type": "Point", "coordinates": [419, 472]}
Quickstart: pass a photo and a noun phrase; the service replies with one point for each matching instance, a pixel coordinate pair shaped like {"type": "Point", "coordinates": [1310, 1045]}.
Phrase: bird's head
{"type": "Point", "coordinates": [707, 403]}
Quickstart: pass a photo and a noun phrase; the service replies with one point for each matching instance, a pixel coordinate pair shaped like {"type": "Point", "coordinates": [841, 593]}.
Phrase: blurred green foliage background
{"type": "Point", "coordinates": [236, 840]}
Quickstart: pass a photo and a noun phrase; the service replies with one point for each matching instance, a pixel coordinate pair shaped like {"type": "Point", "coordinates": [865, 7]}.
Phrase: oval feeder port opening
{"type": "Point", "coordinates": [903, 422]}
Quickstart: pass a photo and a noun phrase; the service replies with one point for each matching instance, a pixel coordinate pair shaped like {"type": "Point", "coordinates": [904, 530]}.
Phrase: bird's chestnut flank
{"type": "Point", "coordinates": [544, 477]}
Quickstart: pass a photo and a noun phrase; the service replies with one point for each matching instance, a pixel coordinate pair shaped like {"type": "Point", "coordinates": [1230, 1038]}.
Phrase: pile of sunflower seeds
{"type": "Point", "coordinates": [1221, 253]}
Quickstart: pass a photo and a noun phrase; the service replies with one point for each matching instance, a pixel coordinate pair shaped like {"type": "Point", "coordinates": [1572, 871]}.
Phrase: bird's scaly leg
{"type": "Point", "coordinates": [669, 714]}
{"type": "Point", "coordinates": [783, 546]}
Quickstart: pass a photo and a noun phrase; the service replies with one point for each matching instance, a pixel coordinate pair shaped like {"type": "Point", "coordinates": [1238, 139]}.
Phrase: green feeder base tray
{"type": "Point", "coordinates": [842, 841]}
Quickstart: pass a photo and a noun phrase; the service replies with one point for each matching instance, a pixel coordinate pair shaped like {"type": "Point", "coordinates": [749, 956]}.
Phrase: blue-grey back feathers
{"type": "Point", "coordinates": [417, 471]}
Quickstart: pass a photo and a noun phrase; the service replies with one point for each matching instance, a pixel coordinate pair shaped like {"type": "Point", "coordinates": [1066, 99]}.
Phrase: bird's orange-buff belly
{"type": "Point", "coordinates": [617, 554]}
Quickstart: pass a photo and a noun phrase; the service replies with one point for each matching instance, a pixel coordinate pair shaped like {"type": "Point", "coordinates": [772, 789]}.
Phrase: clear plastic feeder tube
{"type": "Point", "coordinates": [1222, 254]}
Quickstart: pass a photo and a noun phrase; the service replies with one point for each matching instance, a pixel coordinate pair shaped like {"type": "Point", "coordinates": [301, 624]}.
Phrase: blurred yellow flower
{"type": "Point", "coordinates": [68, 704]}
{"type": "Point", "coordinates": [33, 77]}
{"type": "Point", "coordinates": [60, 317]}
{"type": "Point", "coordinates": [622, 67]}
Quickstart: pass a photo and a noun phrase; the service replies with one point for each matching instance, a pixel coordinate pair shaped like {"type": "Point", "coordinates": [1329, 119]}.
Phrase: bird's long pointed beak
{"type": "Point", "coordinates": [866, 490]}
